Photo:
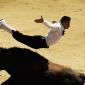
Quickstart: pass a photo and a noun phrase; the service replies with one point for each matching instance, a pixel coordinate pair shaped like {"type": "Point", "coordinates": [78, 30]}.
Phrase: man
{"type": "Point", "coordinates": [57, 30]}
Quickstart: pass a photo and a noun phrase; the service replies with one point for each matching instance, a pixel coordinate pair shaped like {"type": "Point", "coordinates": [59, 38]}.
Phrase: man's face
{"type": "Point", "coordinates": [66, 24]}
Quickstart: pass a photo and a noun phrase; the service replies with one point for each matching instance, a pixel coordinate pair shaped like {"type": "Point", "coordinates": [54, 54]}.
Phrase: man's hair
{"type": "Point", "coordinates": [65, 18]}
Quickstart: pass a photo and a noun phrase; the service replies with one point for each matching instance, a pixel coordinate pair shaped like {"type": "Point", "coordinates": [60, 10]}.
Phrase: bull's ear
{"type": "Point", "coordinates": [82, 75]}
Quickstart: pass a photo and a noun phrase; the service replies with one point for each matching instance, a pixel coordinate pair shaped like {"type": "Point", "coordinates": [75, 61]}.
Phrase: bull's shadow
{"type": "Point", "coordinates": [29, 68]}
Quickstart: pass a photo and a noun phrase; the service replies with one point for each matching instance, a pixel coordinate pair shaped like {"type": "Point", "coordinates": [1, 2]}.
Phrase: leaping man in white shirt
{"type": "Point", "coordinates": [56, 31]}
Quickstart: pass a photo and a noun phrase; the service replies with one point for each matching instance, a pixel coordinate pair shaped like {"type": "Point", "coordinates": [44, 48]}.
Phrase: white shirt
{"type": "Point", "coordinates": [55, 32]}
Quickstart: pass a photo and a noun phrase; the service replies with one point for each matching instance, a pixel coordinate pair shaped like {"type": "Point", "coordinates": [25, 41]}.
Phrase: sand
{"type": "Point", "coordinates": [20, 14]}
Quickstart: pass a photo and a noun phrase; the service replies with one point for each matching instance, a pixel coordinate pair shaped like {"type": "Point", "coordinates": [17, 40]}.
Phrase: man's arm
{"type": "Point", "coordinates": [45, 22]}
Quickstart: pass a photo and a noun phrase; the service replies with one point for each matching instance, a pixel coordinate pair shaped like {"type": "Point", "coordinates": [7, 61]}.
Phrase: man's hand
{"type": "Point", "coordinates": [40, 20]}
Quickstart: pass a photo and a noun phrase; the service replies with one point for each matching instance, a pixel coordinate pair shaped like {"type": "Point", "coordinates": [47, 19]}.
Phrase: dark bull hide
{"type": "Point", "coordinates": [29, 68]}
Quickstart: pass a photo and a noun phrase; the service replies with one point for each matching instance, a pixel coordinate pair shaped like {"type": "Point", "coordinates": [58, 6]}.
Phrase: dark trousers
{"type": "Point", "coordinates": [35, 42]}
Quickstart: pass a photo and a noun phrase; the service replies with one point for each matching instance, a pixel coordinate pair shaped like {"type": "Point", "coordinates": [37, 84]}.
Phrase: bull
{"type": "Point", "coordinates": [27, 67]}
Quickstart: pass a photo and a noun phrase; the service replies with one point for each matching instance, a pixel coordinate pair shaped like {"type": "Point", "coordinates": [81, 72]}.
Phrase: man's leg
{"type": "Point", "coordinates": [31, 41]}
{"type": "Point", "coordinates": [6, 27]}
{"type": "Point", "coordinates": [35, 42]}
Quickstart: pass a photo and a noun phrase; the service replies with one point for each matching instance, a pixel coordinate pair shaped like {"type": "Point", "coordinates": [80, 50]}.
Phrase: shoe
{"type": "Point", "coordinates": [1, 20]}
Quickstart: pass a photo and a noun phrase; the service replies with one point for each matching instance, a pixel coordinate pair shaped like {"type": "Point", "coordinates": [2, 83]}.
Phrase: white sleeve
{"type": "Point", "coordinates": [48, 24]}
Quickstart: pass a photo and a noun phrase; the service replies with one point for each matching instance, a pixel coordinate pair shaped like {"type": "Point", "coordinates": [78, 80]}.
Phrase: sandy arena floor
{"type": "Point", "coordinates": [69, 51]}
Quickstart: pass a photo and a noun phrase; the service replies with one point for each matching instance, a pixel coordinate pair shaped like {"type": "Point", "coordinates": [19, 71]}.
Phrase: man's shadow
{"type": "Point", "coordinates": [28, 67]}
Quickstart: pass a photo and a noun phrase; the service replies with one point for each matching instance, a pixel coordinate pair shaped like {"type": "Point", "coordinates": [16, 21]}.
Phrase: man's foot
{"type": "Point", "coordinates": [1, 22]}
